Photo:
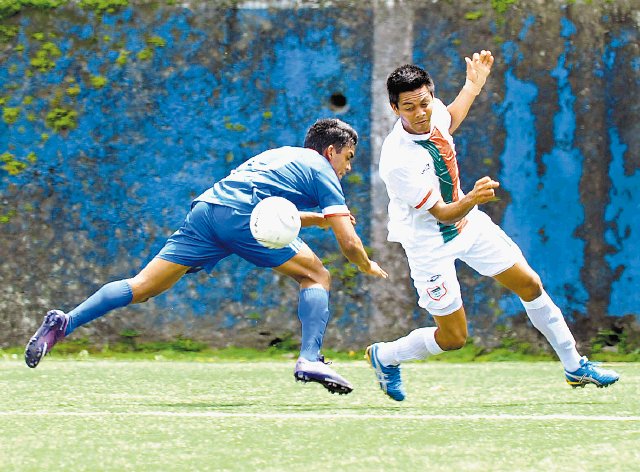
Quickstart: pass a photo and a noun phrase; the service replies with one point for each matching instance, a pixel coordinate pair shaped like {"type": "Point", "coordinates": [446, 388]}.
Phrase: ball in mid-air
{"type": "Point", "coordinates": [275, 222]}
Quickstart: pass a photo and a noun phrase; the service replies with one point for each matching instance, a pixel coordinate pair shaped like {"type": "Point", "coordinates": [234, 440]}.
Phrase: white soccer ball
{"type": "Point", "coordinates": [275, 222]}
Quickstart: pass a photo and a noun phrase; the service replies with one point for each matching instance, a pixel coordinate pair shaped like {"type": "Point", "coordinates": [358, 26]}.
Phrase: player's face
{"type": "Point", "coordinates": [341, 161]}
{"type": "Point", "coordinates": [414, 109]}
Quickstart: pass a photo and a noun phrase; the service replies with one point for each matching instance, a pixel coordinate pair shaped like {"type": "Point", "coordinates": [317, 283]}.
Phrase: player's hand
{"type": "Point", "coordinates": [484, 190]}
{"type": "Point", "coordinates": [478, 69]}
{"type": "Point", "coordinates": [375, 270]}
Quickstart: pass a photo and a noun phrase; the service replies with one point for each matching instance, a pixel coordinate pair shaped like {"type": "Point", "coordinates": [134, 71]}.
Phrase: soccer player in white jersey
{"type": "Point", "coordinates": [218, 226]}
{"type": "Point", "coordinates": [436, 223]}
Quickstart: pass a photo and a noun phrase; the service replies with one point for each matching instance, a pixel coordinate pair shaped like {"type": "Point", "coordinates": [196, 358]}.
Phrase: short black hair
{"type": "Point", "coordinates": [327, 131]}
{"type": "Point", "coordinates": [405, 79]}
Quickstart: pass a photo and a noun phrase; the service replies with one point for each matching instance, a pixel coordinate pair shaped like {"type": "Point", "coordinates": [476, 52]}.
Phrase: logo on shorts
{"type": "Point", "coordinates": [437, 292]}
{"type": "Point", "coordinates": [426, 168]}
{"type": "Point", "coordinates": [434, 278]}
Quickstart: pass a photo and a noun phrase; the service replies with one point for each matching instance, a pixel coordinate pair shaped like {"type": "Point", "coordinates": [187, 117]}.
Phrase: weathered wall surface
{"type": "Point", "coordinates": [113, 121]}
{"type": "Point", "coordinates": [556, 124]}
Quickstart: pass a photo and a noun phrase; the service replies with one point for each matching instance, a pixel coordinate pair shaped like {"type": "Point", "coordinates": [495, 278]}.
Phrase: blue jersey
{"type": "Point", "coordinates": [300, 175]}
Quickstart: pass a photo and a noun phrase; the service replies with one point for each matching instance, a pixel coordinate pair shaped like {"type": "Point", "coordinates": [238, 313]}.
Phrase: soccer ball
{"type": "Point", "coordinates": [275, 222]}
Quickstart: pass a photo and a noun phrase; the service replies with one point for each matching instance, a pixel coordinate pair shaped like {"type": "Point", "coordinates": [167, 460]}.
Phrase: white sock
{"type": "Point", "coordinates": [418, 344]}
{"type": "Point", "coordinates": [548, 319]}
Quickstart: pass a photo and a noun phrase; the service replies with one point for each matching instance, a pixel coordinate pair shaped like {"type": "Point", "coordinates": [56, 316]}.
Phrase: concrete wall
{"type": "Point", "coordinates": [114, 121]}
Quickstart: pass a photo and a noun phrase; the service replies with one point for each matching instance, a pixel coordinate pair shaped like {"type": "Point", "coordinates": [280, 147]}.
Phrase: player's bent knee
{"type": "Point", "coordinates": [453, 343]}
{"type": "Point", "coordinates": [533, 288]}
{"type": "Point", "coordinates": [143, 291]}
{"type": "Point", "coordinates": [451, 340]}
{"type": "Point", "coordinates": [326, 276]}
{"type": "Point", "coordinates": [140, 296]}
{"type": "Point", "coordinates": [321, 276]}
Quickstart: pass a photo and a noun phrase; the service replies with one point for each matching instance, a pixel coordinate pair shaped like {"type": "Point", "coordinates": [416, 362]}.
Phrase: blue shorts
{"type": "Point", "coordinates": [212, 232]}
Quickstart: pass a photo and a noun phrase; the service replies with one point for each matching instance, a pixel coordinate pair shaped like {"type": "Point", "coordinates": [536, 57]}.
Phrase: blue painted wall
{"type": "Point", "coordinates": [169, 99]}
{"type": "Point", "coordinates": [189, 103]}
{"type": "Point", "coordinates": [548, 126]}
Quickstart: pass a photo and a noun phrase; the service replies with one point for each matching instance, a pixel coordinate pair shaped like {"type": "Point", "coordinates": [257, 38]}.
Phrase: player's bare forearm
{"type": "Point", "coordinates": [459, 108]}
{"type": "Point", "coordinates": [351, 246]}
{"type": "Point", "coordinates": [310, 218]}
{"type": "Point", "coordinates": [357, 255]}
{"type": "Point", "coordinates": [354, 251]}
{"type": "Point", "coordinates": [450, 213]}
{"type": "Point", "coordinates": [478, 69]}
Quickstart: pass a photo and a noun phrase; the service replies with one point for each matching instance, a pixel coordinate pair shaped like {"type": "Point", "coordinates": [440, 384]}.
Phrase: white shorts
{"type": "Point", "coordinates": [482, 245]}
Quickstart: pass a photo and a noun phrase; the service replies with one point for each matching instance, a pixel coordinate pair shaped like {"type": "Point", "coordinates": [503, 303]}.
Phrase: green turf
{"type": "Point", "coordinates": [112, 415]}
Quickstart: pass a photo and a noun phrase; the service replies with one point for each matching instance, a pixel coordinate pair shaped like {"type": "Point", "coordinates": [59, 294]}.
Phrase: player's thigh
{"type": "Point", "coordinates": [435, 279]}
{"type": "Point", "coordinates": [158, 276]}
{"type": "Point", "coordinates": [452, 329]}
{"type": "Point", "coordinates": [306, 268]}
{"type": "Point", "coordinates": [522, 280]}
{"type": "Point", "coordinates": [492, 252]}
{"type": "Point", "coordinates": [196, 244]}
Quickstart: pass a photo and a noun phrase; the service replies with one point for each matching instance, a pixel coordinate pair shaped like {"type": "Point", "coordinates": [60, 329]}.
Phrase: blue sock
{"type": "Point", "coordinates": [110, 296]}
{"type": "Point", "coordinates": [313, 312]}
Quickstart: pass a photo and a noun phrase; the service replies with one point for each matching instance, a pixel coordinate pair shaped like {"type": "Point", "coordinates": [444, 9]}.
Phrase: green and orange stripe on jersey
{"type": "Point", "coordinates": [446, 169]}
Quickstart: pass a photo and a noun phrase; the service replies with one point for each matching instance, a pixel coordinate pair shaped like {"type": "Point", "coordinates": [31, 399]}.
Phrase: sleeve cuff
{"type": "Point", "coordinates": [428, 201]}
{"type": "Point", "coordinates": [336, 210]}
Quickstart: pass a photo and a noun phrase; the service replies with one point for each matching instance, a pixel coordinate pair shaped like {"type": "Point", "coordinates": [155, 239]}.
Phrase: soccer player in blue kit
{"type": "Point", "coordinates": [218, 225]}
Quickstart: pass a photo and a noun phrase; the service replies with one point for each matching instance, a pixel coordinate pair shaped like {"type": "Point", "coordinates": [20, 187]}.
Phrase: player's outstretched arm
{"type": "Point", "coordinates": [449, 213]}
{"type": "Point", "coordinates": [478, 69]}
{"type": "Point", "coordinates": [310, 218]}
{"type": "Point", "coordinates": [351, 246]}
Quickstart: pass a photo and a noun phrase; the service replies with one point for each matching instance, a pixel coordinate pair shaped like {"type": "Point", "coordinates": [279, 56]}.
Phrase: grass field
{"type": "Point", "coordinates": [88, 415]}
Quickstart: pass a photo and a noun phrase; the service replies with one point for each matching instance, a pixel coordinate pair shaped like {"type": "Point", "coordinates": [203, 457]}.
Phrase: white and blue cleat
{"type": "Point", "coordinates": [388, 376]}
{"type": "Point", "coordinates": [320, 372]}
{"type": "Point", "coordinates": [590, 373]}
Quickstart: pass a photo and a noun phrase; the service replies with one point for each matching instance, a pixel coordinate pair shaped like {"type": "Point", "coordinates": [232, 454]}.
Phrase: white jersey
{"type": "Point", "coordinates": [418, 170]}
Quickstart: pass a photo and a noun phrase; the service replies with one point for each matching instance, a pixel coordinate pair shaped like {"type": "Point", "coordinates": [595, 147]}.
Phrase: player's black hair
{"type": "Point", "coordinates": [327, 131]}
{"type": "Point", "coordinates": [405, 79]}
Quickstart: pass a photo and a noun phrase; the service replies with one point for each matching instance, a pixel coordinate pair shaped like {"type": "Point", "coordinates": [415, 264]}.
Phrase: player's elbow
{"type": "Point", "coordinates": [448, 221]}
{"type": "Point", "coordinates": [443, 213]}
{"type": "Point", "coordinates": [445, 218]}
